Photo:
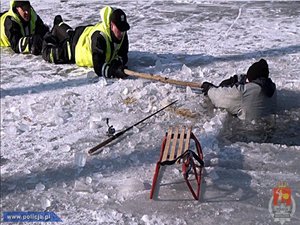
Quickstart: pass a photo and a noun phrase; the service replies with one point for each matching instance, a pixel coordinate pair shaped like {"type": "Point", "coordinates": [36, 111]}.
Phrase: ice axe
{"type": "Point", "coordinates": [162, 79]}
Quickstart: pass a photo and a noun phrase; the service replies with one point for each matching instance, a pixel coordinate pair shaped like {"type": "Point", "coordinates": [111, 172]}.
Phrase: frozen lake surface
{"type": "Point", "coordinates": [52, 114]}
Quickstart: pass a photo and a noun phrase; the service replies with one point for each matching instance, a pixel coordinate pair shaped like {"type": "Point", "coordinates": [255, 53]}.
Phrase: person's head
{"type": "Point", "coordinates": [118, 23]}
{"type": "Point", "coordinates": [258, 69]}
{"type": "Point", "coordinates": [23, 8]}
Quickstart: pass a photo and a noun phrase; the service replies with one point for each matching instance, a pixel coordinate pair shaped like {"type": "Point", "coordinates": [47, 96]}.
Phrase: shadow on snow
{"type": "Point", "coordinates": [140, 60]}
{"type": "Point", "coordinates": [69, 173]}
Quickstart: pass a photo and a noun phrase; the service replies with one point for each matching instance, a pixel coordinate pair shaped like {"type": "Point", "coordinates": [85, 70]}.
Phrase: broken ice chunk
{"type": "Point", "coordinates": [45, 202]}
{"type": "Point", "coordinates": [39, 187]}
{"type": "Point", "coordinates": [80, 159]}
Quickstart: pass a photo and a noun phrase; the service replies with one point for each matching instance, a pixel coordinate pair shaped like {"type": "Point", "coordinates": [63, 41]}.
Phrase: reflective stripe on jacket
{"type": "Point", "coordinates": [83, 48]}
{"type": "Point", "coordinates": [4, 41]}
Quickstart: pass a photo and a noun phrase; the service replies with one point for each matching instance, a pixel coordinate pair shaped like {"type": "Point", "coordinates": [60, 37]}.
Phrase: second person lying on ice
{"type": "Point", "coordinates": [103, 46]}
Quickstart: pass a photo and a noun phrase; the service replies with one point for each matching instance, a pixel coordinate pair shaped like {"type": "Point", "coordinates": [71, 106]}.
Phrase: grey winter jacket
{"type": "Point", "coordinates": [246, 100]}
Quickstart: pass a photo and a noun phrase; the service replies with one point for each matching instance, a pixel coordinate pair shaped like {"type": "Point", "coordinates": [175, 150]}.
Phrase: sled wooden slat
{"type": "Point", "coordinates": [167, 146]}
{"type": "Point", "coordinates": [175, 137]}
{"type": "Point", "coordinates": [181, 140]}
{"type": "Point", "coordinates": [187, 139]}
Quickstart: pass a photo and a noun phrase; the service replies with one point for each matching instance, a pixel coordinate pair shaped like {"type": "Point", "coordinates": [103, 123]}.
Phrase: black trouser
{"type": "Point", "coordinates": [57, 45]}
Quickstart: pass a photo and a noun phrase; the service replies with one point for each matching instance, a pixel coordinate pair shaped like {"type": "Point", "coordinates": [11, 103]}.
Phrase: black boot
{"type": "Point", "coordinates": [57, 20]}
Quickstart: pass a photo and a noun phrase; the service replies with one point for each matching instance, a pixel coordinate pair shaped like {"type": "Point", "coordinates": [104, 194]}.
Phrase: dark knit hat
{"type": "Point", "coordinates": [118, 17]}
{"type": "Point", "coordinates": [258, 69]}
{"type": "Point", "coordinates": [21, 3]}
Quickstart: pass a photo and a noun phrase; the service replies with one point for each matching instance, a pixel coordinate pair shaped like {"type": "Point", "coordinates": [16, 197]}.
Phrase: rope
{"type": "Point", "coordinates": [187, 153]}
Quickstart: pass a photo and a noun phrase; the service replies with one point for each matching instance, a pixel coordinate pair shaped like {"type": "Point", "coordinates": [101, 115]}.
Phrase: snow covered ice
{"type": "Point", "coordinates": [52, 114]}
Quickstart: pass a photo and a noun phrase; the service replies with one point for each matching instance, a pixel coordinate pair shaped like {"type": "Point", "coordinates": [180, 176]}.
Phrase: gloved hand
{"type": "Point", "coordinates": [49, 38]}
{"type": "Point", "coordinates": [206, 86]}
{"type": "Point", "coordinates": [36, 44]}
{"type": "Point", "coordinates": [116, 69]}
{"type": "Point", "coordinates": [230, 82]}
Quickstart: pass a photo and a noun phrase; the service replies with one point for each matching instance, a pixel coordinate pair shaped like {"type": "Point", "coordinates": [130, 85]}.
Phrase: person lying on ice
{"type": "Point", "coordinates": [103, 46]}
{"type": "Point", "coordinates": [249, 96]}
{"type": "Point", "coordinates": [22, 29]}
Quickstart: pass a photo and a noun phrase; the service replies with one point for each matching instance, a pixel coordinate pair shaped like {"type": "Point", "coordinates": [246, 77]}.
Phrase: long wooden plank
{"type": "Point", "coordinates": [167, 146]}
{"type": "Point", "coordinates": [175, 137]}
{"type": "Point", "coordinates": [162, 79]}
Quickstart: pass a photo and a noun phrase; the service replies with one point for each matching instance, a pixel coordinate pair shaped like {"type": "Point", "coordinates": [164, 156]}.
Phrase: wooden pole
{"type": "Point", "coordinates": [162, 79]}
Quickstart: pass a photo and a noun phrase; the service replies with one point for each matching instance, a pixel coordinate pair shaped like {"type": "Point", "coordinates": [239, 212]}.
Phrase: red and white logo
{"type": "Point", "coordinates": [282, 205]}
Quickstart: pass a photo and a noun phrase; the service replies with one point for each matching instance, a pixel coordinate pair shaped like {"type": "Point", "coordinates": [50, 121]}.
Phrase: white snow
{"type": "Point", "coordinates": [52, 114]}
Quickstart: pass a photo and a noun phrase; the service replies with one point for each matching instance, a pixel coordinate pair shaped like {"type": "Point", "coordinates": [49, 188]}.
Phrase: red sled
{"type": "Point", "coordinates": [176, 149]}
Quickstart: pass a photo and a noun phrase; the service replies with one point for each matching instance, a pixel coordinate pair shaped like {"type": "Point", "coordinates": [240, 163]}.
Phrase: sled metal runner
{"type": "Point", "coordinates": [176, 149]}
